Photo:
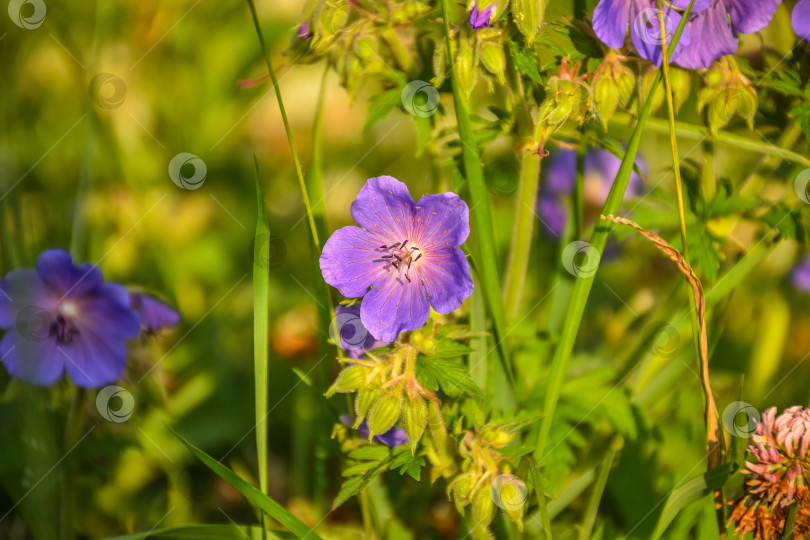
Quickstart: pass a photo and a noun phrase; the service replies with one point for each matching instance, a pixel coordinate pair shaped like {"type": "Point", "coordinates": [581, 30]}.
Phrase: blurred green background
{"type": "Point", "coordinates": [87, 166]}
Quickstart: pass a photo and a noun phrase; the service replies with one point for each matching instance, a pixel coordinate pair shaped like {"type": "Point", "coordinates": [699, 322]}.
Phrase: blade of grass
{"type": "Point", "coordinates": [584, 283]}
{"type": "Point", "coordinates": [261, 328]}
{"type": "Point", "coordinates": [265, 503]}
{"type": "Point", "coordinates": [598, 489]}
{"type": "Point", "coordinates": [486, 250]}
{"type": "Point", "coordinates": [204, 532]}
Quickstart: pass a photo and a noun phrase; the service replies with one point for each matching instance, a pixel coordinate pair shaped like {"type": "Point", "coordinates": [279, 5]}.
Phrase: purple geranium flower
{"type": "Point", "coordinates": [481, 18]}
{"type": "Point", "coordinates": [801, 19]}
{"type": "Point", "coordinates": [403, 255]}
{"type": "Point", "coordinates": [394, 437]}
{"type": "Point", "coordinates": [611, 19]}
{"type": "Point", "coordinates": [154, 314]}
{"type": "Point", "coordinates": [351, 334]}
{"type": "Point", "coordinates": [303, 30]}
{"type": "Point", "coordinates": [63, 317]}
{"type": "Point", "coordinates": [714, 29]}
{"type": "Point", "coordinates": [800, 275]}
{"type": "Point", "coordinates": [559, 177]}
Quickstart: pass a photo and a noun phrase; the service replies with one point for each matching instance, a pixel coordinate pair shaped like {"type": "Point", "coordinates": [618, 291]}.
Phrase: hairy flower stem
{"type": "Point", "coordinates": [486, 248]}
{"type": "Point", "coordinates": [583, 284]}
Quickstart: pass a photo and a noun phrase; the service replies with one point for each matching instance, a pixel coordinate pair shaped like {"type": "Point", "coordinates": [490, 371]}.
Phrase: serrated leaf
{"type": "Point", "coordinates": [452, 377]}
{"type": "Point", "coordinates": [702, 250]}
{"type": "Point", "coordinates": [525, 60]}
{"type": "Point", "coordinates": [450, 349]}
{"type": "Point", "coordinates": [354, 485]}
{"type": "Point", "coordinates": [408, 464]}
{"type": "Point", "coordinates": [372, 451]}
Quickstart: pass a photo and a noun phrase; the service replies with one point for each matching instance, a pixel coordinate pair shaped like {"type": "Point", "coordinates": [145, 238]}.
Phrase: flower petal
{"type": "Point", "coordinates": [801, 19]}
{"type": "Point", "coordinates": [107, 312]}
{"type": "Point", "coordinates": [553, 214]}
{"type": "Point", "coordinates": [560, 172]}
{"type": "Point", "coordinates": [712, 38]}
{"type": "Point", "coordinates": [700, 5]}
{"type": "Point", "coordinates": [749, 16]}
{"type": "Point", "coordinates": [446, 275]}
{"type": "Point", "coordinates": [394, 306]}
{"type": "Point", "coordinates": [31, 360]}
{"type": "Point", "coordinates": [351, 261]}
{"type": "Point", "coordinates": [352, 334]}
{"type": "Point", "coordinates": [153, 313]}
{"type": "Point", "coordinates": [442, 219]}
{"type": "Point", "coordinates": [6, 309]}
{"type": "Point", "coordinates": [56, 268]}
{"type": "Point", "coordinates": [645, 31]}
{"type": "Point", "coordinates": [93, 359]}
{"type": "Point", "coordinates": [385, 208]}
{"type": "Point", "coordinates": [610, 22]}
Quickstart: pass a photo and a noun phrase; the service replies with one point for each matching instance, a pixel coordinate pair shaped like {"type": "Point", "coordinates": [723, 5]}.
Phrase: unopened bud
{"type": "Point", "coordinates": [646, 85]}
{"type": "Point", "coordinates": [383, 414]}
{"type": "Point", "coordinates": [466, 70]}
{"type": "Point", "coordinates": [605, 99]}
{"type": "Point", "coordinates": [681, 86]}
{"type": "Point", "coordinates": [510, 493]}
{"type": "Point", "coordinates": [494, 59]}
{"type": "Point", "coordinates": [362, 403]}
{"type": "Point", "coordinates": [414, 416]}
{"type": "Point", "coordinates": [483, 508]}
{"type": "Point", "coordinates": [349, 380]}
{"type": "Point", "coordinates": [528, 16]}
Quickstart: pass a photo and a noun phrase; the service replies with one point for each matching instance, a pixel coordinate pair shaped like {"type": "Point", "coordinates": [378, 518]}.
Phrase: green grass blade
{"type": "Point", "coordinates": [481, 211]}
{"type": "Point", "coordinates": [261, 328]}
{"type": "Point", "coordinates": [583, 284]}
{"type": "Point", "coordinates": [265, 503]}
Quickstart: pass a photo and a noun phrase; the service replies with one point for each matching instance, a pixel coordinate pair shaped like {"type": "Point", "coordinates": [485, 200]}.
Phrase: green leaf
{"type": "Point", "coordinates": [381, 106]}
{"type": "Point", "coordinates": [702, 250]}
{"type": "Point", "coordinates": [408, 464]}
{"type": "Point", "coordinates": [692, 491]}
{"type": "Point", "coordinates": [801, 113]}
{"type": "Point", "coordinates": [725, 203]}
{"type": "Point", "coordinates": [525, 60]}
{"type": "Point", "coordinates": [786, 221]}
{"type": "Point", "coordinates": [356, 484]}
{"type": "Point", "coordinates": [450, 349]}
{"type": "Point", "coordinates": [452, 377]}
{"type": "Point", "coordinates": [265, 503]}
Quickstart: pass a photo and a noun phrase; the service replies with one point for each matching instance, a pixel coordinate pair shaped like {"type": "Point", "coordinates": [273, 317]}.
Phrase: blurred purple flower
{"type": "Point", "coordinates": [800, 275]}
{"type": "Point", "coordinates": [611, 19]}
{"type": "Point", "coordinates": [154, 314]}
{"type": "Point", "coordinates": [394, 437]}
{"type": "Point", "coordinates": [403, 258]}
{"type": "Point", "coordinates": [559, 177]}
{"type": "Point", "coordinates": [801, 19]}
{"type": "Point", "coordinates": [63, 317]}
{"type": "Point", "coordinates": [714, 29]}
{"type": "Point", "coordinates": [351, 334]}
{"type": "Point", "coordinates": [481, 18]}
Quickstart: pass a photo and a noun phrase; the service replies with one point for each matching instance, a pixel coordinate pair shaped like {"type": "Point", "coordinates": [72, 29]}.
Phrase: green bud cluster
{"type": "Point", "coordinates": [728, 93]}
{"type": "Point", "coordinates": [613, 83]}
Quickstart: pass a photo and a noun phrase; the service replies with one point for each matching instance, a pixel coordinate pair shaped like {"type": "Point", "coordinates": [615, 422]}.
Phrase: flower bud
{"type": "Point", "coordinates": [528, 16]}
{"type": "Point", "coordinates": [366, 47]}
{"type": "Point", "coordinates": [510, 493]}
{"type": "Point", "coordinates": [605, 99]}
{"type": "Point", "coordinates": [414, 417]}
{"type": "Point", "coordinates": [494, 59]}
{"type": "Point", "coordinates": [496, 436]}
{"type": "Point", "coordinates": [362, 403]}
{"type": "Point", "coordinates": [647, 80]}
{"type": "Point", "coordinates": [460, 489]}
{"type": "Point", "coordinates": [681, 86]}
{"type": "Point", "coordinates": [384, 413]}
{"type": "Point", "coordinates": [348, 380]}
{"type": "Point", "coordinates": [466, 69]}
{"type": "Point", "coordinates": [483, 508]}
{"type": "Point", "coordinates": [626, 83]}
{"type": "Point", "coordinates": [428, 345]}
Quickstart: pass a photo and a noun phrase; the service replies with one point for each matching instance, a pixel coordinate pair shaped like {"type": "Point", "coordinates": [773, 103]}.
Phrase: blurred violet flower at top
{"type": "Point", "coordinates": [352, 336]}
{"type": "Point", "coordinates": [394, 437]}
{"type": "Point", "coordinates": [801, 19]}
{"type": "Point", "coordinates": [154, 314]}
{"type": "Point", "coordinates": [559, 178]}
{"type": "Point", "coordinates": [481, 18]}
{"type": "Point", "coordinates": [800, 276]}
{"type": "Point", "coordinates": [403, 258]}
{"type": "Point", "coordinates": [715, 25]}
{"type": "Point", "coordinates": [63, 317]}
{"type": "Point", "coordinates": [611, 19]}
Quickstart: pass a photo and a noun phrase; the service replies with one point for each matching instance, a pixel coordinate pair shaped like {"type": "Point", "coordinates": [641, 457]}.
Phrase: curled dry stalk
{"type": "Point", "coordinates": [714, 438]}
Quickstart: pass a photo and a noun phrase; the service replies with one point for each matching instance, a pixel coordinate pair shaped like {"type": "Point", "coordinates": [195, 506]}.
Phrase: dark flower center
{"type": "Point", "coordinates": [63, 330]}
{"type": "Point", "coordinates": [401, 256]}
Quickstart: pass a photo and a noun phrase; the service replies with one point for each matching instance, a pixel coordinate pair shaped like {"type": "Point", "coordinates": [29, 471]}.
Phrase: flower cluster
{"type": "Point", "coordinates": [777, 479]}
{"type": "Point", "coordinates": [61, 317]}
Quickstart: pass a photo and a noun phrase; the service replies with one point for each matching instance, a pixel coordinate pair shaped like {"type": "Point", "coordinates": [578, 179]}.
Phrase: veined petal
{"type": "Point", "coordinates": [351, 261]}
{"type": "Point", "coordinates": [700, 5]}
{"type": "Point", "coordinates": [107, 312]}
{"type": "Point", "coordinates": [93, 359]}
{"type": "Point", "coordinates": [446, 275]}
{"type": "Point", "coordinates": [394, 306]}
{"type": "Point", "coordinates": [33, 361]}
{"type": "Point", "coordinates": [749, 16]}
{"type": "Point", "coordinates": [442, 219]}
{"type": "Point", "coordinates": [610, 22]}
{"type": "Point", "coordinates": [384, 207]}
{"type": "Point", "coordinates": [153, 313]}
{"type": "Point", "coordinates": [712, 37]}
{"type": "Point", "coordinates": [801, 19]}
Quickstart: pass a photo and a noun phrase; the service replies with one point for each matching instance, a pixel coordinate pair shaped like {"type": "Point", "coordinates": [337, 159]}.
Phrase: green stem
{"type": "Point", "coordinates": [486, 251]}
{"type": "Point", "coordinates": [584, 283]}
{"type": "Point", "coordinates": [73, 427]}
{"type": "Point", "coordinates": [522, 233]}
{"type": "Point", "coordinates": [579, 191]}
{"type": "Point", "coordinates": [598, 490]}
